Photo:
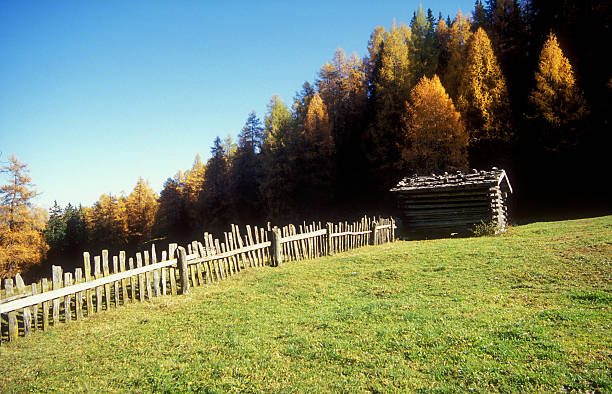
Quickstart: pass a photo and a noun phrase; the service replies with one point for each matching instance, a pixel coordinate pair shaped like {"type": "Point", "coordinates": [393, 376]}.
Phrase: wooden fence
{"type": "Point", "coordinates": [68, 297]}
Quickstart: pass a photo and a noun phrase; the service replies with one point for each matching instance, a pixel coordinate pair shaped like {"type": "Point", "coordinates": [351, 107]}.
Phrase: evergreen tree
{"type": "Point", "coordinates": [246, 172]}
{"type": "Point", "coordinates": [171, 220]}
{"type": "Point", "coordinates": [22, 242]}
{"type": "Point", "coordinates": [215, 194]}
{"type": "Point", "coordinates": [435, 138]}
{"type": "Point", "coordinates": [280, 144]}
{"type": "Point", "coordinates": [55, 231]}
{"type": "Point", "coordinates": [424, 54]}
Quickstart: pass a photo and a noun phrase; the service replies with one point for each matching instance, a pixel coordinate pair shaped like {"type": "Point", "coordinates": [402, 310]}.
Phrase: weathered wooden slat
{"type": "Point", "coordinates": [116, 283]}
{"type": "Point", "coordinates": [78, 278]}
{"type": "Point", "coordinates": [56, 274]}
{"type": "Point", "coordinates": [124, 282]}
{"type": "Point", "coordinates": [148, 276]}
{"type": "Point", "coordinates": [99, 290]}
{"type": "Point", "coordinates": [106, 272]}
{"type": "Point", "coordinates": [133, 279]}
{"type": "Point", "coordinates": [156, 273]}
{"type": "Point", "coordinates": [25, 312]}
{"type": "Point", "coordinates": [68, 298]}
{"type": "Point", "coordinates": [45, 305]}
{"type": "Point", "coordinates": [164, 276]}
{"type": "Point", "coordinates": [13, 329]}
{"type": "Point", "coordinates": [184, 272]}
{"type": "Point", "coordinates": [87, 273]}
{"type": "Point", "coordinates": [35, 308]}
{"type": "Point", "coordinates": [141, 284]}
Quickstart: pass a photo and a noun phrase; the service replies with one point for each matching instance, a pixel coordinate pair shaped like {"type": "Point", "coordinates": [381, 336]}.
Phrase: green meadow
{"type": "Point", "coordinates": [529, 310]}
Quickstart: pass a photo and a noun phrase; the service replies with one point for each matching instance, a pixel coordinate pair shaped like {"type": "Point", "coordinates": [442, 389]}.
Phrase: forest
{"type": "Point", "coordinates": [520, 85]}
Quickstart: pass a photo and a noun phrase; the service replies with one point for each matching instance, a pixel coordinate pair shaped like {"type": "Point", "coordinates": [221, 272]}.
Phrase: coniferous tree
{"type": "Point", "coordinates": [171, 219]}
{"type": "Point", "coordinates": [55, 231]}
{"type": "Point", "coordinates": [454, 39]}
{"type": "Point", "coordinates": [141, 206]}
{"type": "Point", "coordinates": [107, 223]}
{"type": "Point", "coordinates": [22, 242]}
{"type": "Point", "coordinates": [424, 53]}
{"type": "Point", "coordinates": [483, 96]}
{"type": "Point", "coordinates": [215, 194]}
{"type": "Point", "coordinates": [191, 190]}
{"type": "Point", "coordinates": [435, 137]}
{"type": "Point", "coordinates": [556, 100]}
{"type": "Point", "coordinates": [278, 158]}
{"type": "Point", "coordinates": [391, 84]}
{"type": "Point", "coordinates": [246, 172]}
{"type": "Point", "coordinates": [315, 186]}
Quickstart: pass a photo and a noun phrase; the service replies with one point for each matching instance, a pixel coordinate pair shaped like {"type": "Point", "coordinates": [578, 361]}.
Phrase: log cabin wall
{"type": "Point", "coordinates": [453, 203]}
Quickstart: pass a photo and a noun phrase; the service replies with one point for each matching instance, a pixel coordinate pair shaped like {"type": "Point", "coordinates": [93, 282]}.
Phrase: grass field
{"type": "Point", "coordinates": [526, 311]}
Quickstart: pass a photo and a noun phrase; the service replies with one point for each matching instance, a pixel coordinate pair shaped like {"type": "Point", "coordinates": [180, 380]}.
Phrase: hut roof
{"type": "Point", "coordinates": [456, 181]}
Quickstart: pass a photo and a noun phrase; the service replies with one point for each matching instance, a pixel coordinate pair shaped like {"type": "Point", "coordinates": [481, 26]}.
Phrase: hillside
{"type": "Point", "coordinates": [529, 310]}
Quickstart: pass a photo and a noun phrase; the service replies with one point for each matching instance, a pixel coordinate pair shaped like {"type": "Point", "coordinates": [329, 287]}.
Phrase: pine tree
{"type": "Point", "coordinates": [55, 231]}
{"type": "Point", "coordinates": [215, 194]}
{"type": "Point", "coordinates": [171, 220]}
{"type": "Point", "coordinates": [279, 151]}
{"type": "Point", "coordinates": [22, 243]}
{"type": "Point", "coordinates": [483, 97]}
{"type": "Point", "coordinates": [435, 137]}
{"type": "Point", "coordinates": [424, 52]}
{"type": "Point", "coordinates": [246, 173]}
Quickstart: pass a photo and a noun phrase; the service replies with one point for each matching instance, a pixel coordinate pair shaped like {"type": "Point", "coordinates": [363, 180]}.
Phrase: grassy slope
{"type": "Point", "coordinates": [530, 310]}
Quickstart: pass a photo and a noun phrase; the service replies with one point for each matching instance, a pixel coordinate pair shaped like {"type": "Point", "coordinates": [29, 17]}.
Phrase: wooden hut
{"type": "Point", "coordinates": [453, 203]}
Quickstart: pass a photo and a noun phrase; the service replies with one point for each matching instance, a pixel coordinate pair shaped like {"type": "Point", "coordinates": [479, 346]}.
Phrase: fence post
{"type": "Point", "coordinates": [275, 238]}
{"type": "Point", "coordinates": [182, 266]}
{"type": "Point", "coordinates": [392, 230]}
{"type": "Point", "coordinates": [373, 233]}
{"type": "Point", "coordinates": [330, 243]}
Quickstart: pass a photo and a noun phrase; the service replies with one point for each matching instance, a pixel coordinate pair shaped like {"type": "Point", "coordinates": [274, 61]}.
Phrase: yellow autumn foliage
{"type": "Point", "coordinates": [435, 137]}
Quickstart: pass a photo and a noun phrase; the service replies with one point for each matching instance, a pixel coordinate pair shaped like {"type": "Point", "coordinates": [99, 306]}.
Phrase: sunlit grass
{"type": "Point", "coordinates": [529, 310]}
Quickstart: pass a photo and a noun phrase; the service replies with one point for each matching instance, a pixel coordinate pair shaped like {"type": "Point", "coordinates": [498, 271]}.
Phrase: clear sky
{"type": "Point", "coordinates": [94, 95]}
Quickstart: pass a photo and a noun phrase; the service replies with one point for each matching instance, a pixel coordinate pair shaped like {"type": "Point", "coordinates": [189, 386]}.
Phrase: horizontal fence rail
{"type": "Point", "coordinates": [72, 296]}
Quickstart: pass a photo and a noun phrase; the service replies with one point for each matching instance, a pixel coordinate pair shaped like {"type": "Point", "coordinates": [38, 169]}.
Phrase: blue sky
{"type": "Point", "coordinates": [94, 95]}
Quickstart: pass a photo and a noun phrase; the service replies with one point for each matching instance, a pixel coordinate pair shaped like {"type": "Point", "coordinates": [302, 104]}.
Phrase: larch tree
{"type": "Point", "coordinates": [483, 96]}
{"type": "Point", "coordinates": [193, 185]}
{"type": "Point", "coordinates": [315, 186]}
{"type": "Point", "coordinates": [556, 101]}
{"type": "Point", "coordinates": [391, 83]}
{"type": "Point", "coordinates": [141, 206]}
{"type": "Point", "coordinates": [22, 242]}
{"type": "Point", "coordinates": [435, 138]}
{"type": "Point", "coordinates": [107, 222]}
{"type": "Point", "coordinates": [453, 39]}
